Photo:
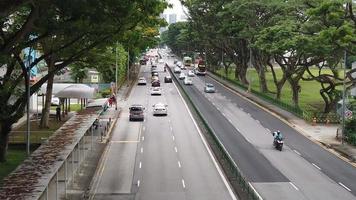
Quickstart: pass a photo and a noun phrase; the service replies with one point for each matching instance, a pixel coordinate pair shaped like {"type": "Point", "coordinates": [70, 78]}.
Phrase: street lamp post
{"type": "Point", "coordinates": [116, 73]}
{"type": "Point", "coordinates": [28, 135]}
{"type": "Point", "coordinates": [343, 101]}
{"type": "Point", "coordinates": [128, 66]}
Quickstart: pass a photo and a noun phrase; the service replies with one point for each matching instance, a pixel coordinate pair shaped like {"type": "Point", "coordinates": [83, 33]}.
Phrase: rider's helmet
{"type": "Point", "coordinates": [278, 132]}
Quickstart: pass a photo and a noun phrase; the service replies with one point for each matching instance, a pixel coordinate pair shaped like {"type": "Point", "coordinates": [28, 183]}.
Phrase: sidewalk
{"type": "Point", "coordinates": [321, 134]}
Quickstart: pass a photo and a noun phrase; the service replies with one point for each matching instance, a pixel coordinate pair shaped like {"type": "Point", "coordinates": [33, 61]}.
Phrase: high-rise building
{"type": "Point", "coordinates": [172, 18]}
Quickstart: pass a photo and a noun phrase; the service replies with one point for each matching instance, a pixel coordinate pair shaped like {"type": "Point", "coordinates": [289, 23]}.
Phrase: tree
{"type": "Point", "coordinates": [74, 27]}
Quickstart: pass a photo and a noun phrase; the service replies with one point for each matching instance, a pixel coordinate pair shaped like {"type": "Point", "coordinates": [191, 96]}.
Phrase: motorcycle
{"type": "Point", "coordinates": [277, 142]}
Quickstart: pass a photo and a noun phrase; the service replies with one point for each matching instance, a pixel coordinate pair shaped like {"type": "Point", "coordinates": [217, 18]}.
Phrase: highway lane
{"type": "Point", "coordinates": [331, 165]}
{"type": "Point", "coordinates": [299, 172]}
{"type": "Point", "coordinates": [160, 158]}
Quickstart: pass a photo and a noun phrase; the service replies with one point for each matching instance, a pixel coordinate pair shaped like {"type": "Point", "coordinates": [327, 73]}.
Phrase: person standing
{"type": "Point", "coordinates": [58, 113]}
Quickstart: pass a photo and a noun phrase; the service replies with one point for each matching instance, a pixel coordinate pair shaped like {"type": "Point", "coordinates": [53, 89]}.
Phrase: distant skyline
{"type": "Point", "coordinates": [176, 9]}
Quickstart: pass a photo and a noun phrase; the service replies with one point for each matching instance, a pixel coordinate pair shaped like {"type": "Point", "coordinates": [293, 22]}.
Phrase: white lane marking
{"type": "Point", "coordinates": [138, 183]}
{"type": "Point", "coordinates": [316, 166]}
{"type": "Point", "coordinates": [171, 128]}
{"type": "Point", "coordinates": [143, 138]}
{"type": "Point", "coordinates": [183, 183]}
{"type": "Point", "coordinates": [248, 114]}
{"type": "Point", "coordinates": [230, 120]}
{"type": "Point", "coordinates": [259, 196]}
{"type": "Point", "coordinates": [344, 186]}
{"type": "Point", "coordinates": [173, 137]}
{"type": "Point", "coordinates": [258, 121]}
{"type": "Point", "coordinates": [218, 108]}
{"type": "Point", "coordinates": [141, 149]}
{"type": "Point", "coordinates": [223, 114]}
{"type": "Point", "coordinates": [241, 109]}
{"type": "Point", "coordinates": [175, 149]}
{"type": "Point", "coordinates": [143, 128]}
{"type": "Point", "coordinates": [213, 103]}
{"type": "Point", "coordinates": [268, 130]}
{"type": "Point", "coordinates": [227, 185]}
{"type": "Point", "coordinates": [179, 165]}
{"type": "Point", "coordinates": [295, 187]}
{"type": "Point", "coordinates": [140, 165]}
{"type": "Point", "coordinates": [297, 152]}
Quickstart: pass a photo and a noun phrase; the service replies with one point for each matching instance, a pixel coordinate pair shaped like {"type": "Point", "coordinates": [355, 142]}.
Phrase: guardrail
{"type": "Point", "coordinates": [242, 187]}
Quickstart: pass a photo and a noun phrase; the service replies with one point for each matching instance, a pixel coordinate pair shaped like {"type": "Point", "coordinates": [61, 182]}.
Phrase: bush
{"type": "Point", "coordinates": [106, 92]}
{"type": "Point", "coordinates": [350, 131]}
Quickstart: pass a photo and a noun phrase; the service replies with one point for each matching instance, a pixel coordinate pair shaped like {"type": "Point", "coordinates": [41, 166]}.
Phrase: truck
{"type": "Point", "coordinates": [200, 68]}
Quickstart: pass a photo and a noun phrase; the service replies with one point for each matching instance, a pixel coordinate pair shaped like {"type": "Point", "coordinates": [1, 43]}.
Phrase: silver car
{"type": "Point", "coordinates": [209, 88]}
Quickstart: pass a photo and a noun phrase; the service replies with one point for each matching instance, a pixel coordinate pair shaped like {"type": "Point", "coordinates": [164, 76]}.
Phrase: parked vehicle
{"type": "Point", "coordinates": [209, 88]}
{"type": "Point", "coordinates": [136, 112]}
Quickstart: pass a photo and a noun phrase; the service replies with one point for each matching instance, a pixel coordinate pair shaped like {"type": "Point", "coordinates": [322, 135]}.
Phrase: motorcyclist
{"type": "Point", "coordinates": [277, 136]}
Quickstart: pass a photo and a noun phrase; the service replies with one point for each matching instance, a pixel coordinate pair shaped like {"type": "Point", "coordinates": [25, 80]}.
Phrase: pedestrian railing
{"type": "Point", "coordinates": [235, 176]}
{"type": "Point", "coordinates": [47, 173]}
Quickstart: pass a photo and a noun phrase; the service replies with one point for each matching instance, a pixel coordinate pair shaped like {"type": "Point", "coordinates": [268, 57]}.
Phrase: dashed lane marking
{"type": "Point", "coordinates": [175, 149]}
{"type": "Point", "coordinates": [183, 183]}
{"type": "Point", "coordinates": [297, 152]}
{"type": "Point", "coordinates": [179, 165]}
{"type": "Point", "coordinates": [295, 187]}
{"type": "Point", "coordinates": [316, 166]}
{"type": "Point", "coordinates": [344, 186]}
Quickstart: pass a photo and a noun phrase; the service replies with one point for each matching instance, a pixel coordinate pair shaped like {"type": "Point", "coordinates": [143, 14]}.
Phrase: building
{"type": "Point", "coordinates": [172, 18]}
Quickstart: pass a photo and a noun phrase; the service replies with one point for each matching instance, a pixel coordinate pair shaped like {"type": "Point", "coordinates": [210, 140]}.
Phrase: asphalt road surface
{"type": "Point", "coordinates": [303, 170]}
{"type": "Point", "coordinates": [163, 157]}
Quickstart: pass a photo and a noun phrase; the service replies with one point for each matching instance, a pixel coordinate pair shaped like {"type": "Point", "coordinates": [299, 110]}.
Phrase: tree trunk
{"type": "Point", "coordinates": [295, 91]}
{"type": "Point", "coordinates": [47, 107]}
{"type": "Point", "coordinates": [5, 128]}
{"type": "Point", "coordinates": [242, 75]}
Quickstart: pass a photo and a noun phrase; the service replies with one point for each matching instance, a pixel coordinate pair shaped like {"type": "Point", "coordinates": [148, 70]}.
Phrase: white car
{"type": "Point", "coordinates": [142, 81]}
{"type": "Point", "coordinates": [181, 76]}
{"type": "Point", "coordinates": [191, 73]}
{"type": "Point", "coordinates": [160, 61]}
{"type": "Point", "coordinates": [159, 109]}
{"type": "Point", "coordinates": [179, 64]}
{"type": "Point", "coordinates": [156, 91]}
{"type": "Point", "coordinates": [177, 70]}
{"type": "Point", "coordinates": [188, 81]}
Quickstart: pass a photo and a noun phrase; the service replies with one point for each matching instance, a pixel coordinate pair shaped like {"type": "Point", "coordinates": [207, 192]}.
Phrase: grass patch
{"type": "Point", "coordinates": [309, 97]}
{"type": "Point", "coordinates": [14, 157]}
{"type": "Point", "coordinates": [18, 135]}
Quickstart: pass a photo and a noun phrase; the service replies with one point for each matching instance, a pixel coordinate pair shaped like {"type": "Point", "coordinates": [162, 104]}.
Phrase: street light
{"type": "Point", "coordinates": [116, 72]}
{"type": "Point", "coordinates": [28, 141]}
{"type": "Point", "coordinates": [343, 101]}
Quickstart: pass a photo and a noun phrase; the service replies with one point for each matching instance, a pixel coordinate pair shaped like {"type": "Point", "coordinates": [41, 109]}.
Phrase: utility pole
{"type": "Point", "coordinates": [116, 73]}
{"type": "Point", "coordinates": [128, 66]}
{"type": "Point", "coordinates": [28, 135]}
{"type": "Point", "coordinates": [343, 101]}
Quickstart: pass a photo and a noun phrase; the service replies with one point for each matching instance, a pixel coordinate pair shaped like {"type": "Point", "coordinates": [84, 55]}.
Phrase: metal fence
{"type": "Point", "coordinates": [242, 187]}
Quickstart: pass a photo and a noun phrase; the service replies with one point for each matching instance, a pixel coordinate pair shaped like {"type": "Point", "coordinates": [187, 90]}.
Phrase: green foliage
{"type": "Point", "coordinates": [350, 131]}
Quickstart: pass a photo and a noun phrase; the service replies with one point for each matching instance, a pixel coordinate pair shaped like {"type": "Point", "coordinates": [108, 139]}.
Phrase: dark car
{"type": "Point", "coordinates": [154, 73]}
{"type": "Point", "coordinates": [136, 112]}
{"type": "Point", "coordinates": [156, 83]}
{"type": "Point", "coordinates": [168, 79]}
{"type": "Point", "coordinates": [143, 62]}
